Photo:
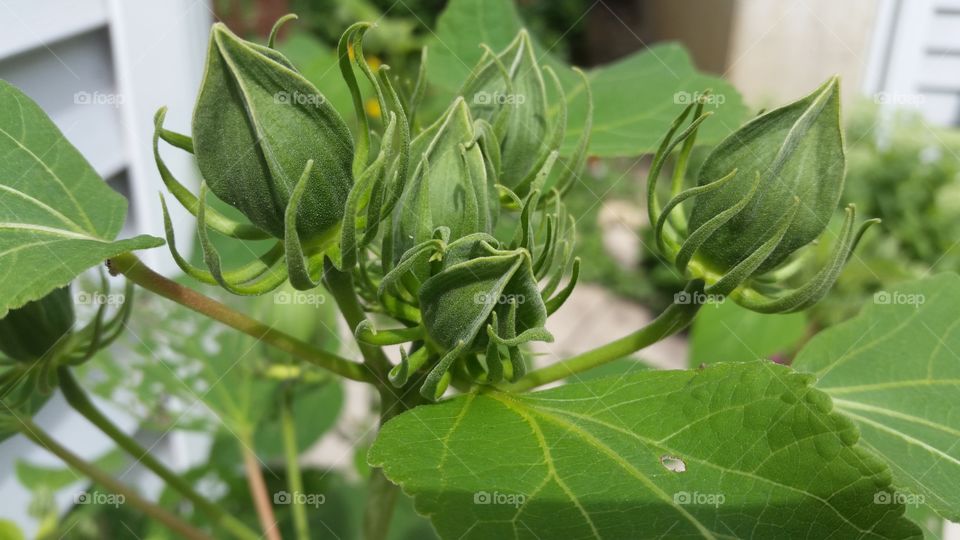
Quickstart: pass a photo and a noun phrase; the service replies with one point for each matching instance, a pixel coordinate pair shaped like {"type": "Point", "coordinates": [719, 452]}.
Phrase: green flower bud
{"type": "Point", "coordinates": [480, 298]}
{"type": "Point", "coordinates": [450, 186]}
{"type": "Point", "coordinates": [508, 91]}
{"type": "Point", "coordinates": [256, 125]}
{"type": "Point", "coordinates": [766, 191]}
{"type": "Point", "coordinates": [797, 153]}
{"type": "Point", "coordinates": [37, 328]}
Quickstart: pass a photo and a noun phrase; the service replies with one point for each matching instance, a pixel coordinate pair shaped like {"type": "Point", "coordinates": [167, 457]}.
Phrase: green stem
{"type": "Point", "coordinates": [340, 285]}
{"type": "Point", "coordinates": [674, 319]}
{"type": "Point", "coordinates": [102, 478]}
{"type": "Point", "coordinates": [382, 494]}
{"type": "Point", "coordinates": [291, 455]}
{"type": "Point", "coordinates": [79, 400]}
{"type": "Point", "coordinates": [130, 266]}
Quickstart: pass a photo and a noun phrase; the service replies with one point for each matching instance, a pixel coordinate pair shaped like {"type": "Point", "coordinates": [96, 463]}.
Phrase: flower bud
{"type": "Point", "coordinates": [797, 153]}
{"type": "Point", "coordinates": [766, 191]}
{"type": "Point", "coordinates": [256, 125]}
{"type": "Point", "coordinates": [35, 329]}
{"type": "Point", "coordinates": [450, 186]}
{"type": "Point", "coordinates": [508, 91]}
{"type": "Point", "coordinates": [482, 297]}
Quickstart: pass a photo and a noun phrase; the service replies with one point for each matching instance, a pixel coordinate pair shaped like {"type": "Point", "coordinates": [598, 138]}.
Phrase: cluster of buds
{"type": "Point", "coordinates": [470, 206]}
{"type": "Point", "coordinates": [41, 337]}
{"type": "Point", "coordinates": [769, 189]}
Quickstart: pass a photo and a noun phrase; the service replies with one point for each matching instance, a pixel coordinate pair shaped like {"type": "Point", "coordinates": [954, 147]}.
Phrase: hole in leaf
{"type": "Point", "coordinates": [672, 463]}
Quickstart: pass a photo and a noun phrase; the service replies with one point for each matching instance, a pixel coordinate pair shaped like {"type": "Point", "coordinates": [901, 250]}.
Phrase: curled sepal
{"type": "Point", "coordinates": [366, 333]}
{"type": "Point", "coordinates": [302, 276]}
{"type": "Point", "coordinates": [258, 277]}
{"type": "Point", "coordinates": [811, 292]}
{"type": "Point", "coordinates": [215, 220]}
{"type": "Point", "coordinates": [251, 271]}
{"type": "Point", "coordinates": [408, 365]}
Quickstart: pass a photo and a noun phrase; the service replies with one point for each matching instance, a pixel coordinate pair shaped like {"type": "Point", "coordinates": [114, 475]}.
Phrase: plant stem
{"type": "Point", "coordinates": [102, 478]}
{"type": "Point", "coordinates": [258, 489]}
{"type": "Point", "coordinates": [80, 402]}
{"type": "Point", "coordinates": [340, 285]}
{"type": "Point", "coordinates": [130, 266]}
{"type": "Point", "coordinates": [291, 456]}
{"type": "Point", "coordinates": [382, 493]}
{"type": "Point", "coordinates": [673, 319]}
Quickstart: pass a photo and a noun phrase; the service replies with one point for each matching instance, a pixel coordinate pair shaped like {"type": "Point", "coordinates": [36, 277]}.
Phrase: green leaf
{"type": "Point", "coordinates": [10, 531]}
{"type": "Point", "coordinates": [726, 332]}
{"type": "Point", "coordinates": [58, 217]}
{"type": "Point", "coordinates": [635, 98]}
{"type": "Point", "coordinates": [895, 370]}
{"type": "Point", "coordinates": [761, 453]}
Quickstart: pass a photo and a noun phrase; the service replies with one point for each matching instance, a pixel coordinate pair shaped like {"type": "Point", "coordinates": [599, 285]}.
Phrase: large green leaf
{"type": "Point", "coordinates": [895, 370]}
{"type": "Point", "coordinates": [635, 98]}
{"type": "Point", "coordinates": [726, 332]}
{"type": "Point", "coordinates": [744, 450]}
{"type": "Point", "coordinates": [57, 216]}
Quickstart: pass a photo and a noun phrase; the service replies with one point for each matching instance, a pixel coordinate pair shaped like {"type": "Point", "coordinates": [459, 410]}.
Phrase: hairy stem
{"type": "Point", "coordinates": [258, 490]}
{"type": "Point", "coordinates": [340, 285]}
{"type": "Point", "coordinates": [80, 402]}
{"type": "Point", "coordinates": [102, 478]}
{"type": "Point", "coordinates": [291, 456]}
{"type": "Point", "coordinates": [131, 267]}
{"type": "Point", "coordinates": [673, 319]}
